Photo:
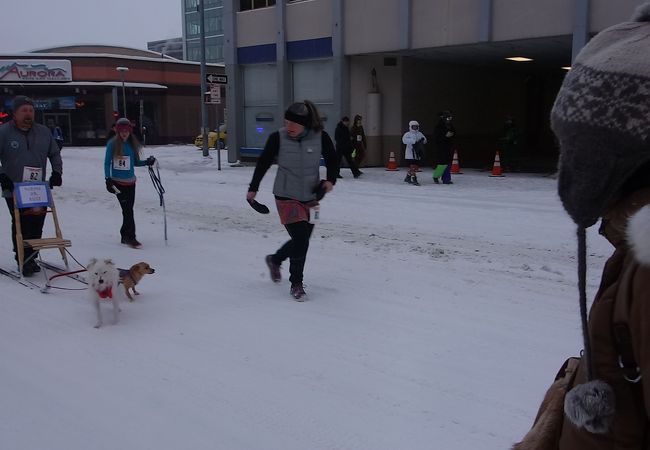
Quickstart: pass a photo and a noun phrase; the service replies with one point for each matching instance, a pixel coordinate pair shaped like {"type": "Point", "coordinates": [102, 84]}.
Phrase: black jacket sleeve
{"type": "Point", "coordinates": [329, 155]}
{"type": "Point", "coordinates": [266, 160]}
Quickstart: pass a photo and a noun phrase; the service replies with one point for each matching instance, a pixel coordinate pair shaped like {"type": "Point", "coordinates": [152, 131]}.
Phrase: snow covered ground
{"type": "Point", "coordinates": [437, 316]}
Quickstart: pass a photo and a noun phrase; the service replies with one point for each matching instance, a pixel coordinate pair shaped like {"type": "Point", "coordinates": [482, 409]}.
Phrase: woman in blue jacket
{"type": "Point", "coordinates": [122, 155]}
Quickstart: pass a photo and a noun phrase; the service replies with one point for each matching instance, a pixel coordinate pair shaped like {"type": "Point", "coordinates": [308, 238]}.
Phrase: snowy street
{"type": "Point", "coordinates": [437, 315]}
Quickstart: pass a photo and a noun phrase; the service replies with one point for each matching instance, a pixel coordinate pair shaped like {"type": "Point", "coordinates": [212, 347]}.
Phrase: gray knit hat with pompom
{"type": "Point", "coordinates": [601, 117]}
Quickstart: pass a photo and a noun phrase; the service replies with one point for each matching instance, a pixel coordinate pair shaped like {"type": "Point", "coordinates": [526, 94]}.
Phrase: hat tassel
{"type": "Point", "coordinates": [590, 405]}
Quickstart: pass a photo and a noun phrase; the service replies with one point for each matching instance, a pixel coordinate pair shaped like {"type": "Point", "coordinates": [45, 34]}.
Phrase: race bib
{"type": "Point", "coordinates": [122, 163]}
{"type": "Point", "coordinates": [32, 173]}
{"type": "Point", "coordinates": [358, 138]}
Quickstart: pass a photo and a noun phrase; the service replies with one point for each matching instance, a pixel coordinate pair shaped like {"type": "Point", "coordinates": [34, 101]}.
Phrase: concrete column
{"type": "Point", "coordinates": [234, 88]}
{"type": "Point", "coordinates": [341, 81]}
{"type": "Point", "coordinates": [485, 21]}
{"type": "Point", "coordinates": [283, 68]}
{"type": "Point", "coordinates": [405, 13]}
{"type": "Point", "coordinates": [580, 26]}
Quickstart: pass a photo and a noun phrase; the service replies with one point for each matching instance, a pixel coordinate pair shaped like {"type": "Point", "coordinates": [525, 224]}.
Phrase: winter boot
{"type": "Point", "coordinates": [298, 292]}
{"type": "Point", "coordinates": [408, 178]}
{"type": "Point", "coordinates": [436, 180]}
{"type": "Point", "coordinates": [274, 269]}
{"type": "Point", "coordinates": [414, 180]}
{"type": "Point", "coordinates": [131, 242]}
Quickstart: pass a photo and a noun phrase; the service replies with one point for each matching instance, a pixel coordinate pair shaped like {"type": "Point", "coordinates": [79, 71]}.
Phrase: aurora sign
{"type": "Point", "coordinates": [26, 70]}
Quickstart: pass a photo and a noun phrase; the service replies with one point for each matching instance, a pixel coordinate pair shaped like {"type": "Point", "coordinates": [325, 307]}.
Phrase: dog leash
{"type": "Point", "coordinates": [157, 184]}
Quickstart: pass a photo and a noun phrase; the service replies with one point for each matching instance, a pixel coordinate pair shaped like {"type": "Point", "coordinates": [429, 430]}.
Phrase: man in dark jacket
{"type": "Point", "coordinates": [344, 146]}
{"type": "Point", "coordinates": [25, 147]}
{"type": "Point", "coordinates": [444, 134]}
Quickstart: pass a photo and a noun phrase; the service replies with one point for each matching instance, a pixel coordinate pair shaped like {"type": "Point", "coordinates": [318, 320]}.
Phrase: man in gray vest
{"type": "Point", "coordinates": [298, 148]}
{"type": "Point", "coordinates": [25, 148]}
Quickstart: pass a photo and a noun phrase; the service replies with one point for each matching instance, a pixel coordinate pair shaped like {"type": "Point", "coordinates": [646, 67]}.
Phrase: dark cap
{"type": "Point", "coordinates": [20, 100]}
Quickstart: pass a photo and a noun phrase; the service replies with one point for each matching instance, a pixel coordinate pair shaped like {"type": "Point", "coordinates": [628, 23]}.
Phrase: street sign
{"type": "Point", "coordinates": [207, 99]}
{"type": "Point", "coordinates": [213, 96]}
{"type": "Point", "coordinates": [216, 78]}
{"type": "Point", "coordinates": [215, 93]}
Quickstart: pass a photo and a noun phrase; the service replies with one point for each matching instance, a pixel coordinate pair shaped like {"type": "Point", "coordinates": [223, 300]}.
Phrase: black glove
{"type": "Point", "coordinates": [319, 190]}
{"type": "Point", "coordinates": [55, 179]}
{"type": "Point", "coordinates": [6, 183]}
{"type": "Point", "coordinates": [110, 185]}
{"type": "Point", "coordinates": [150, 161]}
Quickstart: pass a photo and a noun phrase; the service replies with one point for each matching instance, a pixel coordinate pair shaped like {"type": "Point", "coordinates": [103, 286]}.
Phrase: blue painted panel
{"type": "Point", "coordinates": [309, 49]}
{"type": "Point", "coordinates": [256, 54]}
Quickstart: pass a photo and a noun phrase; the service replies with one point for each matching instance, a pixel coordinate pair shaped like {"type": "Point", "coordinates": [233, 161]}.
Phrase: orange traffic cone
{"type": "Point", "coordinates": [392, 164]}
{"type": "Point", "coordinates": [455, 167]}
{"type": "Point", "coordinates": [496, 168]}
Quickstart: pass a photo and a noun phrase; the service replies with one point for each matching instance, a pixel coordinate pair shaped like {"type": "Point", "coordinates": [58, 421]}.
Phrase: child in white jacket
{"type": "Point", "coordinates": [413, 153]}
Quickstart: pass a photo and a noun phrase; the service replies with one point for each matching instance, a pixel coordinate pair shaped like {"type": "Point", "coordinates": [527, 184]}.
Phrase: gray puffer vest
{"type": "Point", "coordinates": [298, 166]}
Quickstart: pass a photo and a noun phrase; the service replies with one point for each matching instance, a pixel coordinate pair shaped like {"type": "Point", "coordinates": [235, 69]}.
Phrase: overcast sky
{"type": "Point", "coordinates": [34, 24]}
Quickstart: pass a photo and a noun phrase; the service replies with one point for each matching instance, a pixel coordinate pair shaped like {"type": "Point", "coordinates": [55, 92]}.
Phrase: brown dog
{"type": "Point", "coordinates": [129, 278]}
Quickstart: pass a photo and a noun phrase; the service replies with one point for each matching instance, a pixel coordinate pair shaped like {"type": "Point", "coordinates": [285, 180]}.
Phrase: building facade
{"type": "Point", "coordinates": [392, 61]}
{"type": "Point", "coordinates": [214, 37]}
{"type": "Point", "coordinates": [81, 89]}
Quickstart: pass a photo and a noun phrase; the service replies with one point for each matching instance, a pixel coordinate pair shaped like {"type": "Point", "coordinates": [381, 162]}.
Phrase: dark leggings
{"type": "Point", "coordinates": [348, 157]}
{"type": "Point", "coordinates": [31, 226]}
{"type": "Point", "coordinates": [127, 200]}
{"type": "Point", "coordinates": [295, 249]}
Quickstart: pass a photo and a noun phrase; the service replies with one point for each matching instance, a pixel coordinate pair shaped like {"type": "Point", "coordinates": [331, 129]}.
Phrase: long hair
{"type": "Point", "coordinates": [356, 124]}
{"type": "Point", "coordinates": [316, 121]}
{"type": "Point", "coordinates": [118, 145]}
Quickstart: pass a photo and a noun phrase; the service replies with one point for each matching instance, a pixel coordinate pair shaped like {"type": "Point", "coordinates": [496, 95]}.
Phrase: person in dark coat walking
{"type": "Point", "coordinates": [344, 146]}
{"type": "Point", "coordinates": [444, 134]}
{"type": "Point", "coordinates": [358, 140]}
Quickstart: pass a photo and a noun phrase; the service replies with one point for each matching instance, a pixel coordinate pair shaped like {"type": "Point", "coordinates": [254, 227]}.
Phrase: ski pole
{"type": "Point", "coordinates": [157, 184]}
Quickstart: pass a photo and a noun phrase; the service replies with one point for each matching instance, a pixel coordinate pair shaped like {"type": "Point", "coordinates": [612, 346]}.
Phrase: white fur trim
{"type": "Point", "coordinates": [638, 235]}
{"type": "Point", "coordinates": [642, 13]}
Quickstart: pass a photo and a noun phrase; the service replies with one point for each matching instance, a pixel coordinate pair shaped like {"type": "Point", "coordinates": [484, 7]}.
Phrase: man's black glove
{"type": "Point", "coordinates": [150, 161]}
{"type": "Point", "coordinates": [110, 185]}
{"type": "Point", "coordinates": [55, 179]}
{"type": "Point", "coordinates": [6, 183]}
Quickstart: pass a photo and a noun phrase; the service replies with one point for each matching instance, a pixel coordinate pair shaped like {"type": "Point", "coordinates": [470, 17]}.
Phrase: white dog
{"type": "Point", "coordinates": [102, 281]}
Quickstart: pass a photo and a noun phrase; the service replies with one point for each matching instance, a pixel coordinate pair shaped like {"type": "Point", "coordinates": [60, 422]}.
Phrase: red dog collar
{"type": "Point", "coordinates": [106, 293]}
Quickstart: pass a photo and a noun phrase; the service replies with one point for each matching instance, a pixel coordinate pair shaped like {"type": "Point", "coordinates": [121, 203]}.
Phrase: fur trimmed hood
{"type": "Point", "coordinates": [638, 235]}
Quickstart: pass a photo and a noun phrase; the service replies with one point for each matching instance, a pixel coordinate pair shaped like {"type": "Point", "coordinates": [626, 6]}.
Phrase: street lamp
{"type": "Point", "coordinates": [121, 70]}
